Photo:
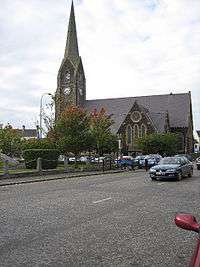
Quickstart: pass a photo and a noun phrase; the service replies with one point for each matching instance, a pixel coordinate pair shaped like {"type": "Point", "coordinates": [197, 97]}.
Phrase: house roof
{"type": "Point", "coordinates": [28, 132]}
{"type": "Point", "coordinates": [177, 105]}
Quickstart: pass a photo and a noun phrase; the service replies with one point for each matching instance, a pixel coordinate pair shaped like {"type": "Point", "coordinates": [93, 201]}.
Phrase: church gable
{"type": "Point", "coordinates": [65, 94]}
{"type": "Point", "coordinates": [138, 117]}
{"type": "Point", "coordinates": [137, 124]}
{"type": "Point", "coordinates": [66, 69]}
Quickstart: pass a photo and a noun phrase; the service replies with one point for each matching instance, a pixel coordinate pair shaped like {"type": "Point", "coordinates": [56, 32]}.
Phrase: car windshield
{"type": "Point", "coordinates": [174, 160]}
{"type": "Point", "coordinates": [189, 157]}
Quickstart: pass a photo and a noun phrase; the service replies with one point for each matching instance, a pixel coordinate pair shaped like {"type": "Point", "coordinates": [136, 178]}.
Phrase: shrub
{"type": "Point", "coordinates": [49, 158]}
{"type": "Point", "coordinates": [163, 144]}
{"type": "Point", "coordinates": [44, 143]}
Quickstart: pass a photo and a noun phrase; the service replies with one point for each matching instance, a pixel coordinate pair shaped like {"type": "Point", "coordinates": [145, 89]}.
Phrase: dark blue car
{"type": "Point", "coordinates": [126, 162]}
{"type": "Point", "coordinates": [172, 167]}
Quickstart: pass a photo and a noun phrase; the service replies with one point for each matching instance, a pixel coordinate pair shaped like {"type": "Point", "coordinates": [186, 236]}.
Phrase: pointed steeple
{"type": "Point", "coordinates": [71, 49]}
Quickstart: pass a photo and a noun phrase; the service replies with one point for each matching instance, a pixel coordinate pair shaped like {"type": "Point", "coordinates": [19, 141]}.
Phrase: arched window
{"type": "Point", "coordinates": [129, 134]}
{"type": "Point", "coordinates": [143, 130]}
{"type": "Point", "coordinates": [136, 131]}
{"type": "Point", "coordinates": [66, 82]}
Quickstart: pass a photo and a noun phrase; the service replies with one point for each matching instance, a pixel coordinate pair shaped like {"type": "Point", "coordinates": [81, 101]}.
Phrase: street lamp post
{"type": "Point", "coordinates": [41, 111]}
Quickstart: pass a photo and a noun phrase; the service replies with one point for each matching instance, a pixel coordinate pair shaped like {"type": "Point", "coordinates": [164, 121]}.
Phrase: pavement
{"type": "Point", "coordinates": [23, 179]}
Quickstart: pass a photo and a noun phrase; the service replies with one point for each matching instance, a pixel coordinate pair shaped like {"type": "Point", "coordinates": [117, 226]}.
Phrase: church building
{"type": "Point", "coordinates": [134, 117]}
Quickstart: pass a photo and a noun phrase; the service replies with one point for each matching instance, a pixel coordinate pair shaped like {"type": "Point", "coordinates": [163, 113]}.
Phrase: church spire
{"type": "Point", "coordinates": [71, 49]}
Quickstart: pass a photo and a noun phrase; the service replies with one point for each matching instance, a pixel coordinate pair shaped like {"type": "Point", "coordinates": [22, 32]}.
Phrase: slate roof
{"type": "Point", "coordinates": [178, 106]}
{"type": "Point", "coordinates": [159, 120]}
{"type": "Point", "coordinates": [28, 132]}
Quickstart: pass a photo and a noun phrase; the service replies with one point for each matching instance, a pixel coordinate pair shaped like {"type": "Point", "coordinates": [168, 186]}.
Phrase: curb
{"type": "Point", "coordinates": [55, 178]}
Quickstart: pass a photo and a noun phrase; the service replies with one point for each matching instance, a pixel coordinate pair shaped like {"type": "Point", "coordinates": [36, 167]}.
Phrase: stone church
{"type": "Point", "coordinates": [134, 117]}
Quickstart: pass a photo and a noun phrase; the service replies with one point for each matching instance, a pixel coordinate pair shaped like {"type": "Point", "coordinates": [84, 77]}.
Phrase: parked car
{"type": "Point", "coordinates": [104, 158]}
{"type": "Point", "coordinates": [187, 156]}
{"type": "Point", "coordinates": [73, 160]}
{"type": "Point", "coordinates": [140, 161]}
{"type": "Point", "coordinates": [126, 162]}
{"type": "Point", "coordinates": [152, 160]}
{"type": "Point", "coordinates": [172, 167]}
{"type": "Point", "coordinates": [198, 163]}
{"type": "Point", "coordinates": [84, 159]}
{"type": "Point", "coordinates": [189, 222]}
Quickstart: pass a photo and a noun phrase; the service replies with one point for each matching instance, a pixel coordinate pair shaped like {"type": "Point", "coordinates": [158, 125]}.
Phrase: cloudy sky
{"type": "Point", "coordinates": [128, 48]}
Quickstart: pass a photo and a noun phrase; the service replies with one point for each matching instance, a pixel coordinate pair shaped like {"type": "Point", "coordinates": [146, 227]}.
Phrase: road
{"type": "Point", "coordinates": [121, 219]}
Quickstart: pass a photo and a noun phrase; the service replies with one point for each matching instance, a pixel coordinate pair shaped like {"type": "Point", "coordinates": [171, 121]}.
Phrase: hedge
{"type": "Point", "coordinates": [43, 143]}
{"type": "Point", "coordinates": [49, 158]}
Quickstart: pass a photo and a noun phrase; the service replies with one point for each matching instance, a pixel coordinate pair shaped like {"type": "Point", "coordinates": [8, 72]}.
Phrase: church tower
{"type": "Point", "coordinates": [71, 84]}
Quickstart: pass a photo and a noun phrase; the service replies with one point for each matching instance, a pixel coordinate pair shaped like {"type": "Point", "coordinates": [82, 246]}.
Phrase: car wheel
{"type": "Point", "coordinates": [190, 173]}
{"type": "Point", "coordinates": [153, 178]}
{"type": "Point", "coordinates": [179, 177]}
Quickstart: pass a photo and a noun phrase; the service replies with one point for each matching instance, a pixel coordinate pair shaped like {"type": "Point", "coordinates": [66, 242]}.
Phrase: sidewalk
{"type": "Point", "coordinates": [50, 177]}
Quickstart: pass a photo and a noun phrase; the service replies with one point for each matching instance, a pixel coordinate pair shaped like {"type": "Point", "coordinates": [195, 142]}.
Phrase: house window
{"type": "Point", "coordinates": [136, 131]}
{"type": "Point", "coordinates": [129, 134]}
{"type": "Point", "coordinates": [143, 130]}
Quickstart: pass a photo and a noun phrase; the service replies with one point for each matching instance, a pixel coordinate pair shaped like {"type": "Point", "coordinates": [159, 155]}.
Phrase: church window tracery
{"type": "Point", "coordinates": [136, 131]}
{"type": "Point", "coordinates": [136, 116]}
{"type": "Point", "coordinates": [143, 130]}
{"type": "Point", "coordinates": [129, 134]}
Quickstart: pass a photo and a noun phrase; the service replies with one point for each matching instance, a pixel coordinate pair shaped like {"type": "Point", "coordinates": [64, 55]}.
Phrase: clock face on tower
{"type": "Point", "coordinates": [67, 90]}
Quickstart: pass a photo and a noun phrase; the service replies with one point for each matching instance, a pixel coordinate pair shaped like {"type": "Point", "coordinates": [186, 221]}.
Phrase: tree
{"type": "Point", "coordinates": [10, 141]}
{"type": "Point", "coordinates": [163, 144]}
{"type": "Point", "coordinates": [49, 116]}
{"type": "Point", "coordinates": [103, 139]}
{"type": "Point", "coordinates": [72, 132]}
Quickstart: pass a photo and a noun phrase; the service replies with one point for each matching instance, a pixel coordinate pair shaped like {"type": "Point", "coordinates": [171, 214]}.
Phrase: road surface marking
{"type": "Point", "coordinates": [99, 201]}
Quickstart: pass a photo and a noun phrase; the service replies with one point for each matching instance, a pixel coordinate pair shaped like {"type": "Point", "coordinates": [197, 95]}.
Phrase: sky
{"type": "Point", "coordinates": [128, 48]}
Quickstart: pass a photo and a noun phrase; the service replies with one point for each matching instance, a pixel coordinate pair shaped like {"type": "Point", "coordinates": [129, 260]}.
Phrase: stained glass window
{"type": "Point", "coordinates": [129, 134]}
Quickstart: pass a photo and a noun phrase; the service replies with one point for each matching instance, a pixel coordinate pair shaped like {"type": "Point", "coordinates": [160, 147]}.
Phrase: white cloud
{"type": "Point", "coordinates": [128, 48]}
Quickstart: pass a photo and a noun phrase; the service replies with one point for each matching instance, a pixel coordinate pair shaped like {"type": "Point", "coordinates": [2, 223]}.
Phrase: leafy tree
{"type": "Point", "coordinates": [48, 116]}
{"type": "Point", "coordinates": [103, 139]}
{"type": "Point", "coordinates": [164, 144]}
{"type": "Point", "coordinates": [71, 131]}
{"type": "Point", "coordinates": [10, 141]}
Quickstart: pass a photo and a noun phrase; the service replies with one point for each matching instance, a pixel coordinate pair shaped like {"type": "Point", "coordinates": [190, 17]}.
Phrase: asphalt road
{"type": "Point", "coordinates": [107, 220]}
